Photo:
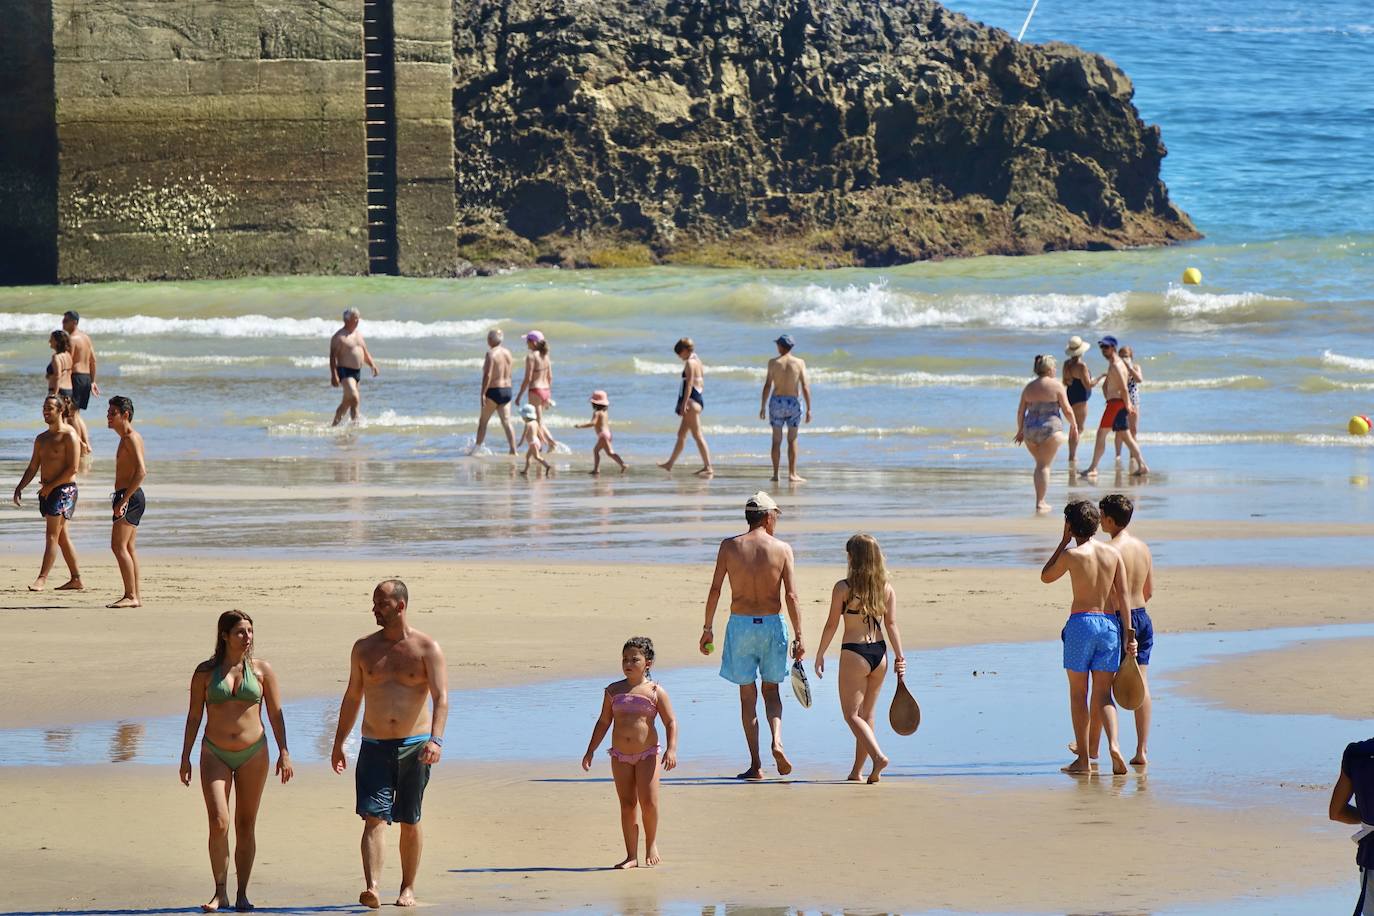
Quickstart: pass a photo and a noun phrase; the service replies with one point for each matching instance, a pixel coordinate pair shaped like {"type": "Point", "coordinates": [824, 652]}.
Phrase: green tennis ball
{"type": "Point", "coordinates": [710, 647]}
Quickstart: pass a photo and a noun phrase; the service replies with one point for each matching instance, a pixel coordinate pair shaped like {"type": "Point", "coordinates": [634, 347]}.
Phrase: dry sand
{"type": "Point", "coordinates": [1322, 677]}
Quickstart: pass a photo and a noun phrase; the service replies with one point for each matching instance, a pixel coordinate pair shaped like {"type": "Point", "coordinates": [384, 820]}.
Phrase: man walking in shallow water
{"type": "Point", "coordinates": [496, 386]}
{"type": "Point", "coordinates": [347, 355]}
{"type": "Point", "coordinates": [392, 674]}
{"type": "Point", "coordinates": [784, 389]}
{"type": "Point", "coordinates": [758, 565]}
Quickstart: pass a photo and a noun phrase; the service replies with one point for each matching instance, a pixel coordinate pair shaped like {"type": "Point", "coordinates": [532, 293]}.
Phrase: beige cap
{"type": "Point", "coordinates": [762, 500]}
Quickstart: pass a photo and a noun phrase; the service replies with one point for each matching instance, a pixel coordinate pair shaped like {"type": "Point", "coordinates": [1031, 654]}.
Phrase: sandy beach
{"type": "Point", "coordinates": [1328, 677]}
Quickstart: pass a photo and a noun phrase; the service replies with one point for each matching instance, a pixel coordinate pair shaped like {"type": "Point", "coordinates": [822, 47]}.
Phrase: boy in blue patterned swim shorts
{"type": "Point", "coordinates": [1092, 635]}
{"type": "Point", "coordinates": [784, 389]}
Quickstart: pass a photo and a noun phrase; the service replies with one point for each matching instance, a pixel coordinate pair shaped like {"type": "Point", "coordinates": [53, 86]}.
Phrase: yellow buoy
{"type": "Point", "coordinates": [1192, 276]}
{"type": "Point", "coordinates": [1358, 426]}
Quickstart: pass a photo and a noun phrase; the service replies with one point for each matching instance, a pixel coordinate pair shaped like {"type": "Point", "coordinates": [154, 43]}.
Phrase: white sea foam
{"type": "Point", "coordinates": [1190, 384]}
{"type": "Point", "coordinates": [1353, 363]}
{"type": "Point", "coordinates": [651, 367]}
{"type": "Point", "coordinates": [874, 431]}
{"type": "Point", "coordinates": [391, 420]}
{"type": "Point", "coordinates": [240, 326]}
{"type": "Point", "coordinates": [322, 362]}
{"type": "Point", "coordinates": [205, 360]}
{"type": "Point", "coordinates": [913, 379]}
{"type": "Point", "coordinates": [878, 306]}
{"type": "Point", "coordinates": [1186, 303]}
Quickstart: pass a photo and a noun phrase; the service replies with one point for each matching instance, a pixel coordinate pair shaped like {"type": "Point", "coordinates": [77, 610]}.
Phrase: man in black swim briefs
{"type": "Point", "coordinates": [496, 390]}
{"type": "Point", "coordinates": [347, 355]}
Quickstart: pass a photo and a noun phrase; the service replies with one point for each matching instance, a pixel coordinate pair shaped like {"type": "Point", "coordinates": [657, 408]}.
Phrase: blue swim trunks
{"type": "Point", "coordinates": [755, 647]}
{"type": "Point", "coordinates": [1092, 642]}
{"type": "Point", "coordinates": [1144, 635]}
{"type": "Point", "coordinates": [784, 411]}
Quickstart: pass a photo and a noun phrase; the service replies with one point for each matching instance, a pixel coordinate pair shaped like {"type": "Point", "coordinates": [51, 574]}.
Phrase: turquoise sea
{"type": "Point", "coordinates": [1250, 378]}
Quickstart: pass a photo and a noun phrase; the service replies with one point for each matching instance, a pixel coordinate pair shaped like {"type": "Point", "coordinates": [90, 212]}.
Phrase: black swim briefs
{"type": "Point", "coordinates": [345, 372]}
{"type": "Point", "coordinates": [499, 396]}
{"type": "Point", "coordinates": [133, 513]}
{"type": "Point", "coordinates": [390, 779]}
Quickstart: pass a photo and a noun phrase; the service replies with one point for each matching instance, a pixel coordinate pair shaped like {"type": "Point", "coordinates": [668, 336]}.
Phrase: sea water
{"type": "Point", "coordinates": [1249, 378]}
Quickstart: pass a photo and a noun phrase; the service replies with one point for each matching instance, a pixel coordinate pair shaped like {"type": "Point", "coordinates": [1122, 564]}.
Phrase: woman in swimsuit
{"type": "Point", "coordinates": [690, 404]}
{"type": "Point", "coordinates": [628, 710]}
{"type": "Point", "coordinates": [1078, 381]}
{"type": "Point", "coordinates": [59, 370]}
{"type": "Point", "coordinates": [865, 602]}
{"type": "Point", "coordinates": [1040, 418]}
{"type": "Point", "coordinates": [538, 381]}
{"type": "Point", "coordinates": [1134, 376]}
{"type": "Point", "coordinates": [231, 689]}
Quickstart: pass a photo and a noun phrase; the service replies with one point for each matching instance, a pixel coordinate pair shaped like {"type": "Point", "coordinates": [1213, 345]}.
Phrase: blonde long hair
{"type": "Point", "coordinates": [867, 578]}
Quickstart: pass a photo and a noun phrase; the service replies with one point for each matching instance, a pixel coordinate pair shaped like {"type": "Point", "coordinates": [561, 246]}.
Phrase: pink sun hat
{"type": "Point", "coordinates": [599, 399]}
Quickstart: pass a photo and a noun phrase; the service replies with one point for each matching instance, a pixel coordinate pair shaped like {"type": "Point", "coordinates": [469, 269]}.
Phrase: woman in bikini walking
{"type": "Point", "coordinates": [690, 404]}
{"type": "Point", "coordinates": [230, 689]}
{"type": "Point", "coordinates": [866, 604]}
{"type": "Point", "coordinates": [538, 381]}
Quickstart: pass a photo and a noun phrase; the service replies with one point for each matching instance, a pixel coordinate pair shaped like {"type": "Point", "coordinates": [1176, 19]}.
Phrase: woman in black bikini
{"type": "Point", "coordinates": [865, 602]}
{"type": "Point", "coordinates": [1078, 380]}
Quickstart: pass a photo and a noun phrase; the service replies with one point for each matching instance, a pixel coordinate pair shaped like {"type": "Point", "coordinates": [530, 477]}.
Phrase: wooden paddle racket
{"type": "Point", "coordinates": [905, 714]}
{"type": "Point", "coordinates": [1128, 687]}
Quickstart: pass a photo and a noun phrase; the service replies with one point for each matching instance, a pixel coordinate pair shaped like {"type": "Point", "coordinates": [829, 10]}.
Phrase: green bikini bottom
{"type": "Point", "coordinates": [235, 759]}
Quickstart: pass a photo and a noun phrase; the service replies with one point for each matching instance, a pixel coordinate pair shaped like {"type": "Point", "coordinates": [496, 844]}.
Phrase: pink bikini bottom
{"type": "Point", "coordinates": [633, 758]}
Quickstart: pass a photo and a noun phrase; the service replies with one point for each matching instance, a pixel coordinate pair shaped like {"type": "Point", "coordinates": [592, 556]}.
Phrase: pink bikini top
{"type": "Point", "coordinates": [634, 703]}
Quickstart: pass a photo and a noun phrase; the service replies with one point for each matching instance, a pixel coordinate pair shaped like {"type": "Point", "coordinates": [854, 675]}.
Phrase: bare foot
{"type": "Point", "coordinates": [666, 465]}
{"type": "Point", "coordinates": [624, 468]}
{"type": "Point", "coordinates": [1141, 471]}
{"type": "Point", "coordinates": [1042, 506]}
{"type": "Point", "coordinates": [525, 472]}
{"type": "Point", "coordinates": [1079, 767]}
{"type": "Point", "coordinates": [1073, 749]}
{"type": "Point", "coordinates": [706, 472]}
{"type": "Point", "coordinates": [369, 899]}
{"type": "Point", "coordinates": [1139, 759]}
{"type": "Point", "coordinates": [71, 585]}
{"type": "Point", "coordinates": [243, 905]}
{"type": "Point", "coordinates": [878, 766]}
{"type": "Point", "coordinates": [1090, 473]}
{"type": "Point", "coordinates": [594, 473]}
{"type": "Point", "coordinates": [407, 897]}
{"type": "Point", "coordinates": [39, 584]}
{"type": "Point", "coordinates": [126, 601]}
{"type": "Point", "coordinates": [627, 862]}
{"type": "Point", "coordinates": [853, 776]}
{"type": "Point", "coordinates": [753, 773]}
{"type": "Point", "coordinates": [795, 478]}
{"type": "Point", "coordinates": [1118, 763]}
{"type": "Point", "coordinates": [652, 858]}
{"type": "Point", "coordinates": [784, 765]}
{"type": "Point", "coordinates": [218, 902]}
{"type": "Point", "coordinates": [774, 478]}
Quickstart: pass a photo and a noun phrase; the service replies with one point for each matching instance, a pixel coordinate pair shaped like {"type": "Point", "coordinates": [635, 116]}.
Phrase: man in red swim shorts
{"type": "Point", "coordinates": [1116, 416]}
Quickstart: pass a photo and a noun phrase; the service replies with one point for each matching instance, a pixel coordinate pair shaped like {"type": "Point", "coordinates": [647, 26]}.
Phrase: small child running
{"type": "Point", "coordinates": [601, 422]}
{"type": "Point", "coordinates": [628, 709]}
{"type": "Point", "coordinates": [533, 437]}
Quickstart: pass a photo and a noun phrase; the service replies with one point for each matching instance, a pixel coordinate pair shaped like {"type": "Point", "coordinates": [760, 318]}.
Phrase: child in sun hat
{"type": "Point", "coordinates": [533, 439]}
{"type": "Point", "coordinates": [601, 422]}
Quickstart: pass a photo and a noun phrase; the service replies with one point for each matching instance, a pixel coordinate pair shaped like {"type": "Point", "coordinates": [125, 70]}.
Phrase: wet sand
{"type": "Point", "coordinates": [1328, 677]}
{"type": "Point", "coordinates": [494, 843]}
{"type": "Point", "coordinates": [514, 623]}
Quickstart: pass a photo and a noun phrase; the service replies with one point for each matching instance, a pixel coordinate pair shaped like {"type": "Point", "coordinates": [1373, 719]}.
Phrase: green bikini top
{"type": "Point", "coordinates": [250, 691]}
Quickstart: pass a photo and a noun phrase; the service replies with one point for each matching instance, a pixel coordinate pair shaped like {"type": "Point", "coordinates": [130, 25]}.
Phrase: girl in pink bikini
{"type": "Point", "coordinates": [628, 710]}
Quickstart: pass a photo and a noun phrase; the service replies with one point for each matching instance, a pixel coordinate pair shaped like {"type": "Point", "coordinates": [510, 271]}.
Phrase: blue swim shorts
{"type": "Point", "coordinates": [1144, 634]}
{"type": "Point", "coordinates": [1092, 642]}
{"type": "Point", "coordinates": [755, 647]}
{"type": "Point", "coordinates": [784, 411]}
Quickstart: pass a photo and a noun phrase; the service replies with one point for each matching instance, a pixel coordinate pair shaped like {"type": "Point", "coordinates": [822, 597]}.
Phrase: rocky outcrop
{"type": "Point", "coordinates": [787, 133]}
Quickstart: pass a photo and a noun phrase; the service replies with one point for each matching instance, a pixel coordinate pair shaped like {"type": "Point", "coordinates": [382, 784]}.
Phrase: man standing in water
{"type": "Point", "coordinates": [758, 564]}
{"type": "Point", "coordinates": [347, 354]}
{"type": "Point", "coordinates": [392, 674]}
{"type": "Point", "coordinates": [127, 502]}
{"type": "Point", "coordinates": [1092, 635]}
{"type": "Point", "coordinates": [496, 387]}
{"type": "Point", "coordinates": [1116, 416]}
{"type": "Point", "coordinates": [786, 380]}
{"type": "Point", "coordinates": [56, 452]}
{"type": "Point", "coordinates": [83, 361]}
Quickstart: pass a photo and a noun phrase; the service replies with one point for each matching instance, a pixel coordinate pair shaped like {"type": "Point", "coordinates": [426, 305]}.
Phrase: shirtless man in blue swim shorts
{"type": "Point", "coordinates": [56, 452]}
{"type": "Point", "coordinates": [394, 675]}
{"type": "Point", "coordinates": [1117, 510]}
{"type": "Point", "coordinates": [1092, 636]}
{"type": "Point", "coordinates": [784, 389]}
{"type": "Point", "coordinates": [758, 565]}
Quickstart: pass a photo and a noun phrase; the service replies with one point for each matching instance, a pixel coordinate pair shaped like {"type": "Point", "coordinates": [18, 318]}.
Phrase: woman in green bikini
{"type": "Point", "coordinates": [232, 688]}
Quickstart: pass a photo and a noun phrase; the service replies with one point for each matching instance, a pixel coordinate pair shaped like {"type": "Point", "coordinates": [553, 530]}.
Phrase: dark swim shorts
{"type": "Point", "coordinates": [1144, 634]}
{"type": "Point", "coordinates": [390, 779]}
{"type": "Point", "coordinates": [133, 513]}
{"type": "Point", "coordinates": [81, 390]}
{"type": "Point", "coordinates": [499, 396]}
{"type": "Point", "coordinates": [61, 500]}
{"type": "Point", "coordinates": [345, 372]}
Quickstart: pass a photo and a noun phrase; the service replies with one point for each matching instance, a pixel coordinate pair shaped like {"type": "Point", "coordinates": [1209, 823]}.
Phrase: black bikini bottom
{"type": "Point", "coordinates": [872, 652]}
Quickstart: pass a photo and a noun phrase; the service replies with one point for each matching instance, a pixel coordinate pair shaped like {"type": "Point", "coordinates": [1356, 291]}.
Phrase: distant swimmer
{"type": "Point", "coordinates": [1092, 635]}
{"type": "Point", "coordinates": [347, 355]}
{"type": "Point", "coordinates": [1117, 510]}
{"type": "Point", "coordinates": [538, 381]}
{"type": "Point", "coordinates": [127, 501]}
{"type": "Point", "coordinates": [690, 403]}
{"type": "Point", "coordinates": [601, 422]}
{"type": "Point", "coordinates": [629, 708]}
{"type": "Point", "coordinates": [784, 389]}
{"type": "Point", "coordinates": [395, 675]}
{"type": "Point", "coordinates": [59, 371]}
{"type": "Point", "coordinates": [759, 566]}
{"type": "Point", "coordinates": [56, 453]}
{"type": "Point", "coordinates": [496, 387]}
{"type": "Point", "coordinates": [532, 439]}
{"type": "Point", "coordinates": [1356, 783]}
{"type": "Point", "coordinates": [1116, 415]}
{"type": "Point", "coordinates": [83, 361]}
{"type": "Point", "coordinates": [865, 603]}
{"type": "Point", "coordinates": [1078, 381]}
{"type": "Point", "coordinates": [1040, 417]}
{"type": "Point", "coordinates": [229, 690]}
{"type": "Point", "coordinates": [1134, 376]}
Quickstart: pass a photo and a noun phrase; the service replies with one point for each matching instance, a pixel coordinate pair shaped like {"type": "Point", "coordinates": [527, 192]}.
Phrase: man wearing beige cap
{"type": "Point", "coordinates": [759, 566]}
